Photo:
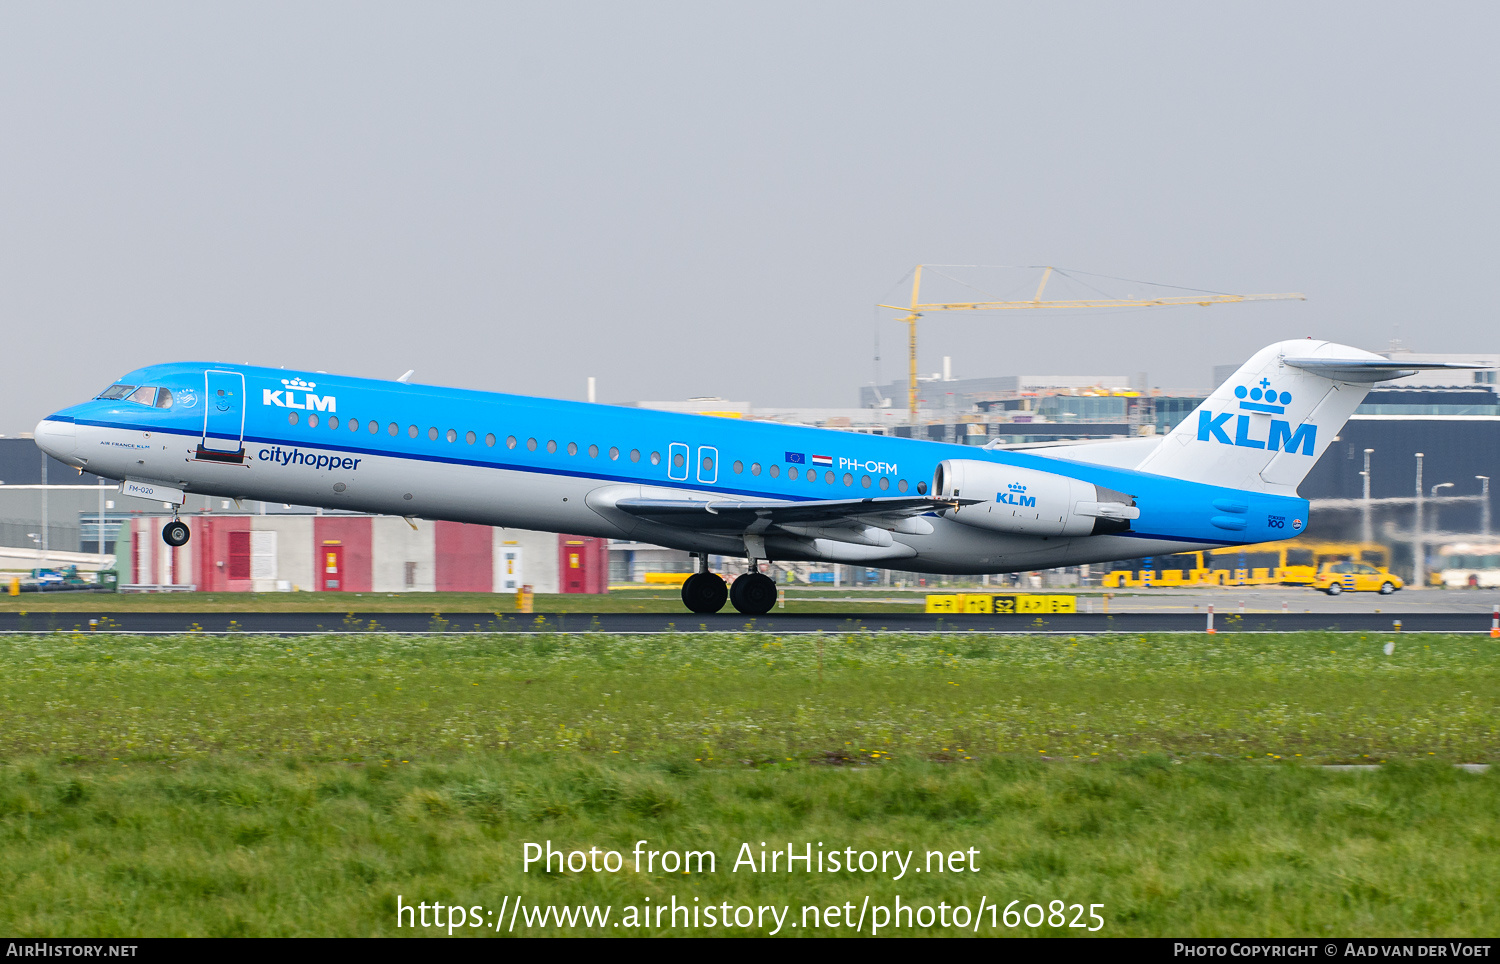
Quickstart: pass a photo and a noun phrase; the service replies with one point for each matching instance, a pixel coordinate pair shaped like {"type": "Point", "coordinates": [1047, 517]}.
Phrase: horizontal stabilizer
{"type": "Point", "coordinates": [1370, 369]}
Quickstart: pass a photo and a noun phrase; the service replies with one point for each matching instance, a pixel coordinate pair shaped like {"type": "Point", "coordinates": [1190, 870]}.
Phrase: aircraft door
{"type": "Point", "coordinates": [223, 415]}
{"type": "Point", "coordinates": [708, 464]}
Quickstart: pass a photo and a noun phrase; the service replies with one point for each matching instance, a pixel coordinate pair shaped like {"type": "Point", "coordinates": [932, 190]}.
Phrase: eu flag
{"type": "Point", "coordinates": [795, 458]}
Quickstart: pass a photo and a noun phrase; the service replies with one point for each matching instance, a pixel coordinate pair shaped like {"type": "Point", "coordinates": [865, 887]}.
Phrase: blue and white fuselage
{"type": "Point", "coordinates": [701, 483]}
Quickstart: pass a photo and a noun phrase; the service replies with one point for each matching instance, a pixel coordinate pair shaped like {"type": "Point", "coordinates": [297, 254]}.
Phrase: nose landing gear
{"type": "Point", "coordinates": [176, 533]}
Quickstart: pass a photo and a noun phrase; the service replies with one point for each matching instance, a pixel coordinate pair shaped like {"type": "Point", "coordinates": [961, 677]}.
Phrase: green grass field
{"type": "Point", "coordinates": [250, 785]}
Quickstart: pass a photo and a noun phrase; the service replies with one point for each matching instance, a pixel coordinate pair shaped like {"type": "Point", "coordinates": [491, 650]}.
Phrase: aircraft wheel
{"type": "Point", "coordinates": [1387, 588]}
{"type": "Point", "coordinates": [753, 594]}
{"type": "Point", "coordinates": [176, 533]}
{"type": "Point", "coordinates": [704, 592]}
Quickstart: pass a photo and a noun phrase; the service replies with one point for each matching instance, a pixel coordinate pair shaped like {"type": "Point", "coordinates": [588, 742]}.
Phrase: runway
{"type": "Point", "coordinates": [419, 622]}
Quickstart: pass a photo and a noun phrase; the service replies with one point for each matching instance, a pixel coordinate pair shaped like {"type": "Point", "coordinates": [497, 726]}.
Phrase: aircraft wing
{"type": "Point", "coordinates": [740, 515]}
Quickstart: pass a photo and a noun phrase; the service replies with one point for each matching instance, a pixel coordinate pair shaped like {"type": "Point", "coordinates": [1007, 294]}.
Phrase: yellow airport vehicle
{"type": "Point", "coordinates": [1002, 602]}
{"type": "Point", "coordinates": [1295, 562]}
{"type": "Point", "coordinates": [666, 578]}
{"type": "Point", "coordinates": [1338, 577]}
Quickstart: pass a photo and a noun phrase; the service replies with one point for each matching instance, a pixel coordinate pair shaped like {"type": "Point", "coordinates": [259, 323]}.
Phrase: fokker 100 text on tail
{"type": "Point", "coordinates": [1227, 475]}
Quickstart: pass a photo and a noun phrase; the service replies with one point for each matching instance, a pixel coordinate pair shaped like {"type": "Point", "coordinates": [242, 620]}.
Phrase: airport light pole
{"type": "Point", "coordinates": [1367, 533]}
{"type": "Point", "coordinates": [46, 520]}
{"type": "Point", "coordinates": [1484, 504]}
{"type": "Point", "coordinates": [1419, 549]}
{"type": "Point", "coordinates": [1434, 493]}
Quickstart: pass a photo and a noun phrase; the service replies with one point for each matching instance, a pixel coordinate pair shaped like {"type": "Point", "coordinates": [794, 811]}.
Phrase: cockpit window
{"type": "Point", "coordinates": [164, 398]}
{"type": "Point", "coordinates": [116, 391]}
{"type": "Point", "coordinates": [144, 395]}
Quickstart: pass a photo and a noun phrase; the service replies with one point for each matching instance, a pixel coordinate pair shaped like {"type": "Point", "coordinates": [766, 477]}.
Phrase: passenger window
{"type": "Point", "coordinates": [291, 418]}
{"type": "Point", "coordinates": [393, 428]}
{"type": "Point", "coordinates": [828, 477]}
{"type": "Point", "coordinates": [679, 460]}
{"type": "Point", "coordinates": [885, 483]}
{"type": "Point", "coordinates": [412, 431]}
{"type": "Point", "coordinates": [755, 468]}
{"type": "Point", "coordinates": [707, 466]}
{"type": "Point", "coordinates": [614, 453]}
{"type": "Point", "coordinates": [551, 445]}
{"type": "Point", "coordinates": [921, 488]}
{"type": "Point", "coordinates": [333, 421]}
{"type": "Point", "coordinates": [490, 440]}
{"type": "Point", "coordinates": [432, 433]}
{"type": "Point", "coordinates": [452, 436]}
{"type": "Point", "coordinates": [848, 479]}
{"type": "Point", "coordinates": [791, 471]}
{"type": "Point", "coordinates": [901, 486]}
{"type": "Point", "coordinates": [164, 398]}
{"type": "Point", "coordinates": [635, 455]}
{"type": "Point", "coordinates": [655, 458]}
{"type": "Point", "coordinates": [739, 467]}
{"type": "Point", "coordinates": [470, 438]}
{"type": "Point", "coordinates": [531, 445]}
{"type": "Point", "coordinates": [572, 448]}
{"type": "Point", "coordinates": [593, 451]}
{"type": "Point", "coordinates": [312, 420]}
{"type": "Point", "coordinates": [774, 471]}
{"type": "Point", "coordinates": [354, 425]}
{"type": "Point", "coordinates": [144, 396]}
{"type": "Point", "coordinates": [865, 481]}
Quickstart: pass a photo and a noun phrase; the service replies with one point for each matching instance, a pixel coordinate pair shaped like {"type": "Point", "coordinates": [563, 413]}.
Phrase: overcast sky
{"type": "Point", "coordinates": [709, 199]}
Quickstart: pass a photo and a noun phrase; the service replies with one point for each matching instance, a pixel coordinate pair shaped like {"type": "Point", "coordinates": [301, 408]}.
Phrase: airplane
{"type": "Point", "coordinates": [1227, 475]}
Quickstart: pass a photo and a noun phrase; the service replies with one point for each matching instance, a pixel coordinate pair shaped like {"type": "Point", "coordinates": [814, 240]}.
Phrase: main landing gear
{"type": "Point", "coordinates": [704, 592]}
{"type": "Point", "coordinates": [176, 533]}
{"type": "Point", "coordinates": [753, 594]}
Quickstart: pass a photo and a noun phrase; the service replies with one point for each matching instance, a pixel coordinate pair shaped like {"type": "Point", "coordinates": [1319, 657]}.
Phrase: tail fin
{"type": "Point", "coordinates": [1266, 427]}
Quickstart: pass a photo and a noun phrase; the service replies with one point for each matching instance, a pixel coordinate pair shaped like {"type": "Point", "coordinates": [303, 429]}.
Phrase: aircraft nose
{"type": "Point", "coordinates": [56, 437]}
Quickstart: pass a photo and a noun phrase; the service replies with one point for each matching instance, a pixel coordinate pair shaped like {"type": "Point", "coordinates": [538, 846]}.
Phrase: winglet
{"type": "Point", "coordinates": [404, 378]}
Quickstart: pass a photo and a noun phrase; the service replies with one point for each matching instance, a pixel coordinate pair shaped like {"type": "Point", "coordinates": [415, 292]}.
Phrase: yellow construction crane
{"type": "Point", "coordinates": [917, 308]}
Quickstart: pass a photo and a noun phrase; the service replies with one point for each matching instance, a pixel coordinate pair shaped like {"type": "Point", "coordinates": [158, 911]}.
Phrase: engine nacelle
{"type": "Point", "coordinates": [1029, 502]}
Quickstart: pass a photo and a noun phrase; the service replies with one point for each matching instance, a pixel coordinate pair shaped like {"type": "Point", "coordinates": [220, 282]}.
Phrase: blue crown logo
{"type": "Point", "coordinates": [1016, 487]}
{"type": "Point", "coordinates": [298, 383]}
{"type": "Point", "coordinates": [1263, 399]}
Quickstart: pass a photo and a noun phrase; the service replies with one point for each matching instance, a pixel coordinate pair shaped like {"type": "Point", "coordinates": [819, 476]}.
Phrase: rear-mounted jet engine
{"type": "Point", "coordinates": [1029, 502]}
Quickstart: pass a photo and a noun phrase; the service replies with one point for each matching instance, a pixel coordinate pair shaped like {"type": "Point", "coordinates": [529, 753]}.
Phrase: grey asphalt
{"type": "Point", "coordinates": [1271, 599]}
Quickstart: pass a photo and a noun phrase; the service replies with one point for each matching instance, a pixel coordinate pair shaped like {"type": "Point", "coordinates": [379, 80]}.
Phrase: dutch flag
{"type": "Point", "coordinates": [823, 460]}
